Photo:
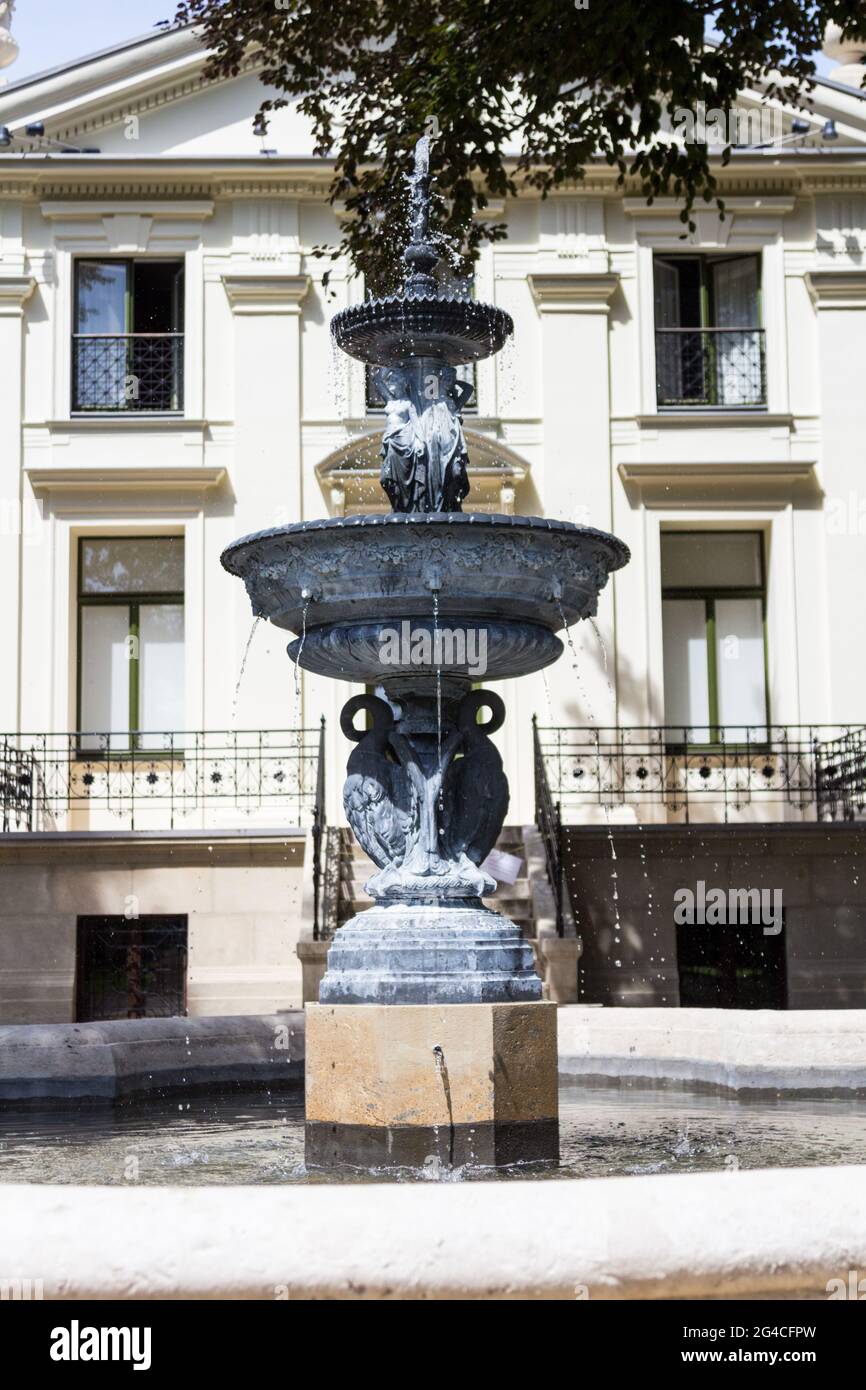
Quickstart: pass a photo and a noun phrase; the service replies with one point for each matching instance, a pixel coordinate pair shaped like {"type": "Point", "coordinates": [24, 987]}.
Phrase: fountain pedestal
{"type": "Point", "coordinates": [402, 1085]}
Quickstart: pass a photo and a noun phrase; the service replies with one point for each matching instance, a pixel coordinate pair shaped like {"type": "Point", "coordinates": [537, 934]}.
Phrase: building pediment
{"type": "Point", "coordinates": [152, 100]}
{"type": "Point", "coordinates": [149, 100]}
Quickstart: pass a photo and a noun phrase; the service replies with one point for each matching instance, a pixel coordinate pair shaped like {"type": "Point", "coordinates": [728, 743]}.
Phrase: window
{"type": "Point", "coordinates": [127, 347]}
{"type": "Point", "coordinates": [713, 614]}
{"type": "Point", "coordinates": [708, 335]}
{"type": "Point", "coordinates": [131, 968]}
{"type": "Point", "coordinates": [130, 641]}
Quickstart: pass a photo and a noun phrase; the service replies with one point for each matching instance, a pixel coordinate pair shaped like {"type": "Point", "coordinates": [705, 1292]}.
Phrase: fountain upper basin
{"type": "Point", "coordinates": [340, 581]}
{"type": "Point", "coordinates": [387, 332]}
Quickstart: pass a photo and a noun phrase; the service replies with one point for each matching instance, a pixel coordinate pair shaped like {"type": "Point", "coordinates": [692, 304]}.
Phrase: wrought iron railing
{"type": "Point", "coordinates": [548, 819]}
{"type": "Point", "coordinates": [763, 773]}
{"type": "Point", "coordinates": [336, 857]}
{"type": "Point", "coordinates": [840, 776]}
{"type": "Point", "coordinates": [710, 367]}
{"type": "Point", "coordinates": [176, 780]}
{"type": "Point", "coordinates": [17, 781]}
{"type": "Point", "coordinates": [127, 372]}
{"type": "Point", "coordinates": [319, 832]}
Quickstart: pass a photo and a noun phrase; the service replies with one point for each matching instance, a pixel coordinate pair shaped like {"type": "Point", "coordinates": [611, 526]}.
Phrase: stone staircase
{"type": "Point", "coordinates": [513, 900]}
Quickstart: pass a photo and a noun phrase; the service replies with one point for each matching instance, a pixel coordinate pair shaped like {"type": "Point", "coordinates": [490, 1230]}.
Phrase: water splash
{"type": "Point", "coordinates": [575, 663]}
{"type": "Point", "coordinates": [338, 388]}
{"type": "Point", "coordinates": [506, 377]}
{"type": "Point", "coordinates": [256, 622]}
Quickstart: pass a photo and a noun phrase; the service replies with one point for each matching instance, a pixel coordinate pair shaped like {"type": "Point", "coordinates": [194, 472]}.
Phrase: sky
{"type": "Point", "coordinates": [51, 32]}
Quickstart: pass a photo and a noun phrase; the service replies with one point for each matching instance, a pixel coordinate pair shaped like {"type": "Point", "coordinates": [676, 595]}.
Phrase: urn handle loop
{"type": "Point", "coordinates": [379, 711]}
{"type": "Point", "coordinates": [472, 703]}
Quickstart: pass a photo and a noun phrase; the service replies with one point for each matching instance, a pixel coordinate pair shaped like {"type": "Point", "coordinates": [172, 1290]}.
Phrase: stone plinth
{"type": "Point", "coordinates": [456, 953]}
{"type": "Point", "coordinates": [401, 1085]}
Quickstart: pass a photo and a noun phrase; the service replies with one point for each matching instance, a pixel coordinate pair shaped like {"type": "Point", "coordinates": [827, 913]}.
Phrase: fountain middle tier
{"type": "Point", "coordinates": [506, 583]}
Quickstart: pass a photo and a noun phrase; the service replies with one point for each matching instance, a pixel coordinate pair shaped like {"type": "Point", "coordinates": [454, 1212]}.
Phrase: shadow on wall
{"type": "Point", "coordinates": [760, 916]}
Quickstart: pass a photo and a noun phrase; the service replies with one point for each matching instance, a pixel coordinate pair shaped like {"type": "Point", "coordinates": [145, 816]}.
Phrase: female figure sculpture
{"type": "Point", "coordinates": [442, 430]}
{"type": "Point", "coordinates": [404, 454]}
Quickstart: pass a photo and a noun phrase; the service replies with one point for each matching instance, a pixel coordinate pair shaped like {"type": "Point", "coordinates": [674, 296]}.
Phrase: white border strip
{"type": "Point", "coordinates": [785, 1231]}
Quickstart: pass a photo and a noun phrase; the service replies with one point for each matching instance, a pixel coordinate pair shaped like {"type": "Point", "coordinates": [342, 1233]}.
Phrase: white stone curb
{"type": "Point", "coordinates": [818, 1050]}
{"type": "Point", "coordinates": [709, 1234]}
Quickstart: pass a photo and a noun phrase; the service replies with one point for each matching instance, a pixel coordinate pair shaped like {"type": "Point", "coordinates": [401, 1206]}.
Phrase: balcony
{"type": "Point", "coordinates": [775, 773]}
{"type": "Point", "coordinates": [710, 368]}
{"type": "Point", "coordinates": [204, 780]}
{"type": "Point", "coordinates": [136, 373]}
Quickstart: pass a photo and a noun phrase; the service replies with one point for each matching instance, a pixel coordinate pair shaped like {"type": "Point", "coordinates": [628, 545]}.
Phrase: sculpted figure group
{"type": "Point", "coordinates": [424, 457]}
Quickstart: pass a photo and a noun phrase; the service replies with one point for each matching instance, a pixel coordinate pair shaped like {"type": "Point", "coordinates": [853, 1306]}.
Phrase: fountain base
{"type": "Point", "coordinates": [431, 1086]}
{"type": "Point", "coordinates": [431, 952]}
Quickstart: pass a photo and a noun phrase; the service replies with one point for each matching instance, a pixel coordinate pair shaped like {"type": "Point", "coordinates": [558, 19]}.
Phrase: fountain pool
{"type": "Point", "coordinates": [251, 1138]}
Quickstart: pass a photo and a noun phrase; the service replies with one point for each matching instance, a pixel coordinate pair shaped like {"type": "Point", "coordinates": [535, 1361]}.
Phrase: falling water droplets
{"type": "Point", "coordinates": [597, 630]}
{"type": "Point", "coordinates": [548, 706]}
{"type": "Point", "coordinates": [614, 878]}
{"type": "Point", "coordinates": [575, 663]}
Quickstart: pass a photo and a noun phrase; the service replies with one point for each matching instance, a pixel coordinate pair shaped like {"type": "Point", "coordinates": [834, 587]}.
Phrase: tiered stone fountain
{"type": "Point", "coordinates": [430, 1037]}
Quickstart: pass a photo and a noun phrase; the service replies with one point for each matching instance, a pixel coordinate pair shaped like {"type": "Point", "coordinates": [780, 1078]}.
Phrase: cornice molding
{"type": "Point", "coordinates": [684, 484]}
{"type": "Point", "coordinates": [183, 478]}
{"type": "Point", "coordinates": [837, 289]}
{"type": "Point", "coordinates": [764, 204]}
{"type": "Point", "coordinates": [712, 419]}
{"type": "Point", "coordinates": [15, 290]}
{"type": "Point", "coordinates": [259, 293]}
{"type": "Point", "coordinates": [573, 292]}
{"type": "Point", "coordinates": [140, 207]}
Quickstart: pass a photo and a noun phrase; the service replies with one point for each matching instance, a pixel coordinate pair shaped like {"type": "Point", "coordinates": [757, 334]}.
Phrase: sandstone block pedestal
{"type": "Point", "coordinates": [398, 1085]}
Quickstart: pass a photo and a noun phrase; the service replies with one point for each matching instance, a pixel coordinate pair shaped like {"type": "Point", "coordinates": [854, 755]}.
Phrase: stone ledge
{"type": "Point", "coordinates": [699, 1235]}
{"type": "Point", "coordinates": [796, 1052]}
{"type": "Point", "coordinates": [103, 1063]}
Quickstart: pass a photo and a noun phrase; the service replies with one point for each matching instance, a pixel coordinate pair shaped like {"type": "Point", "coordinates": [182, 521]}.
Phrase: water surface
{"type": "Point", "coordinates": [257, 1138]}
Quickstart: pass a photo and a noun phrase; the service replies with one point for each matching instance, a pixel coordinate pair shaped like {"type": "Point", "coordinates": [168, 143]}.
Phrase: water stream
{"type": "Point", "coordinates": [296, 713]}
{"type": "Point", "coordinates": [243, 667]}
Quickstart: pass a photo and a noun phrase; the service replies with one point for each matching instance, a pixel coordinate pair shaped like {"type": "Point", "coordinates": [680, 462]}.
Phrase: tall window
{"type": "Point", "coordinates": [713, 612]}
{"type": "Point", "coordinates": [127, 349]}
{"type": "Point", "coordinates": [709, 340]}
{"type": "Point", "coordinates": [130, 641]}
